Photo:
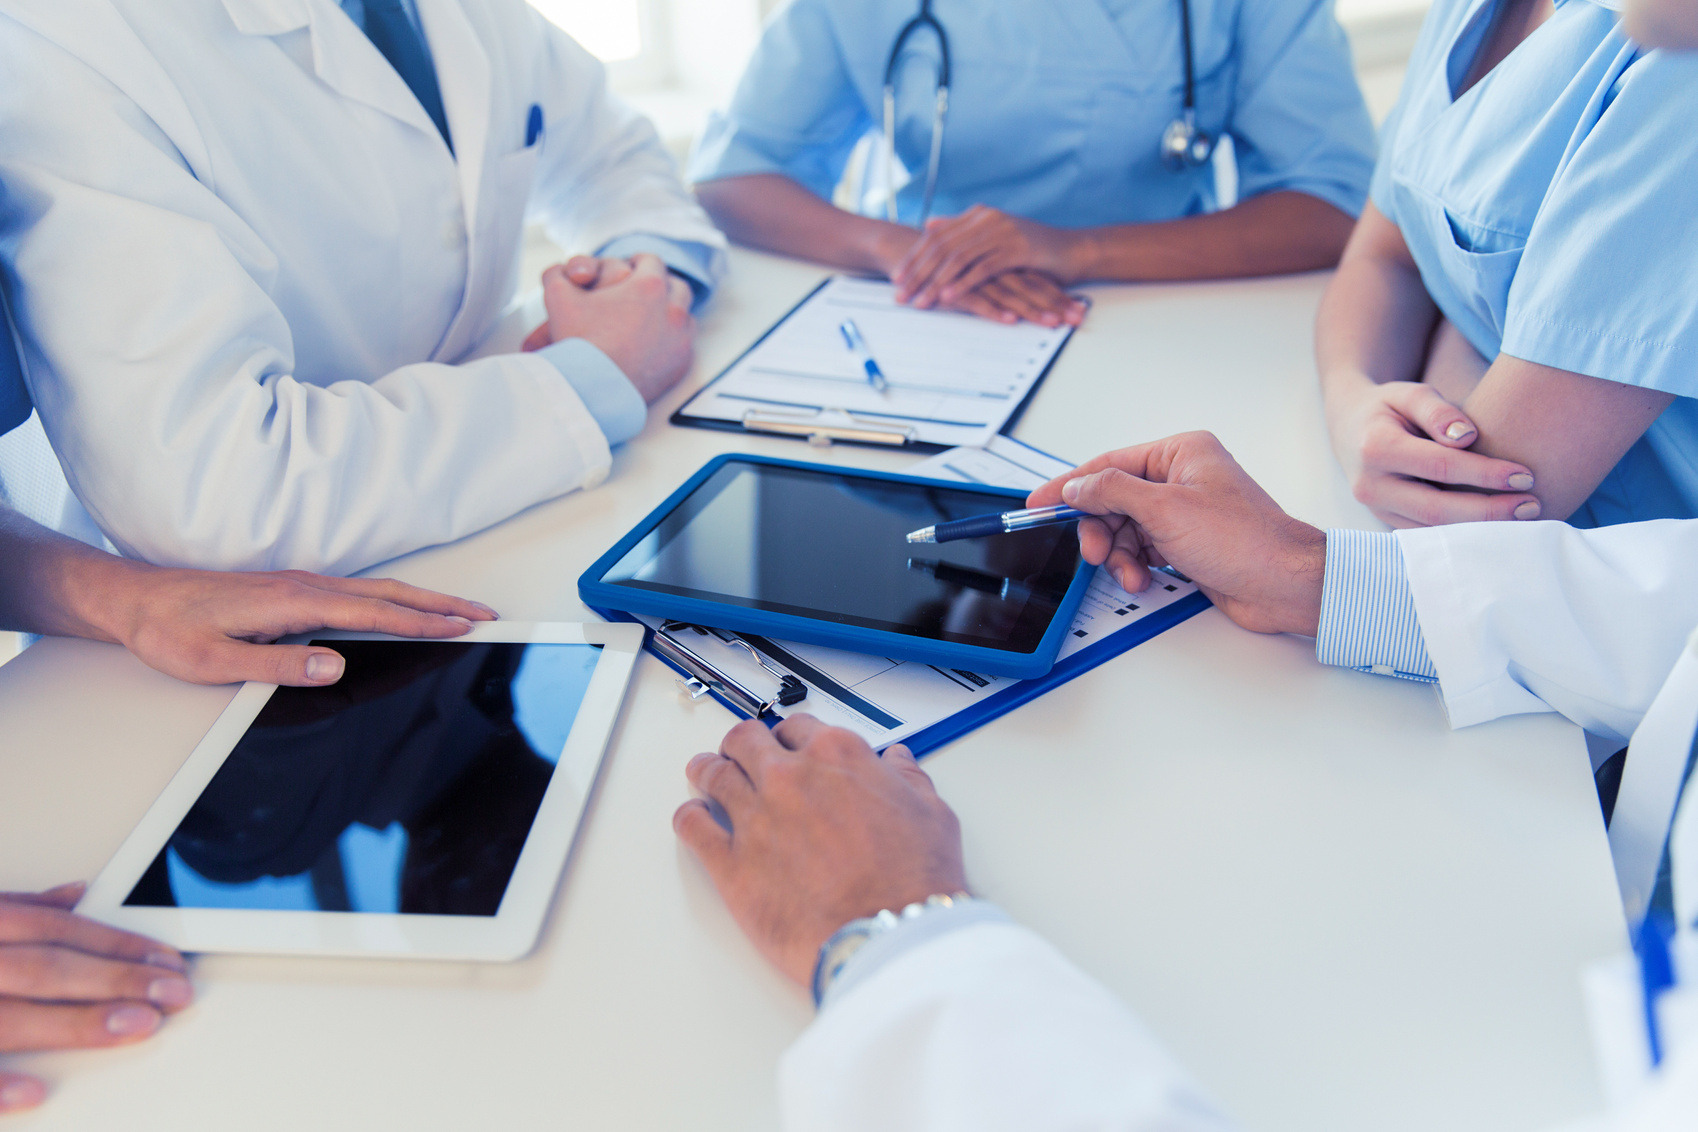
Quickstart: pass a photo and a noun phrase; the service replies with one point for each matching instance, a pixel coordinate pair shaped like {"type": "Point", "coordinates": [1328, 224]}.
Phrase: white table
{"type": "Point", "coordinates": [1340, 914]}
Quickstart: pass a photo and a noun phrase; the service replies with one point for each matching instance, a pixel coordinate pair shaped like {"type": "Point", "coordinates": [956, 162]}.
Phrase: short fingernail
{"type": "Point", "coordinates": [126, 1020]}
{"type": "Point", "coordinates": [1070, 491]}
{"type": "Point", "coordinates": [1458, 430]}
{"type": "Point", "coordinates": [166, 959]}
{"type": "Point", "coordinates": [482, 608]}
{"type": "Point", "coordinates": [170, 991]}
{"type": "Point", "coordinates": [1528, 510]}
{"type": "Point", "coordinates": [21, 1094]}
{"type": "Point", "coordinates": [1521, 481]}
{"type": "Point", "coordinates": [324, 667]}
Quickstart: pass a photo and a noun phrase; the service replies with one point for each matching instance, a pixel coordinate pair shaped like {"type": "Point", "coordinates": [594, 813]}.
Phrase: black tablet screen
{"type": "Point", "coordinates": [833, 547]}
{"type": "Point", "coordinates": [408, 786]}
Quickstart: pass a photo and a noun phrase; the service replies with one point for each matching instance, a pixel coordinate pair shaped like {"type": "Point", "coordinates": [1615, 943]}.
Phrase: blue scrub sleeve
{"type": "Point", "coordinates": [692, 261]}
{"type": "Point", "coordinates": [1298, 119]}
{"type": "Point", "coordinates": [606, 392]}
{"type": "Point", "coordinates": [796, 111]}
{"type": "Point", "coordinates": [1607, 285]}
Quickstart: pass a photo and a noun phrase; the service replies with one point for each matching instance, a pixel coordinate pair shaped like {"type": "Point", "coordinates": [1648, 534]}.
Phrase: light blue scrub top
{"type": "Point", "coordinates": [1553, 212]}
{"type": "Point", "coordinates": [1057, 107]}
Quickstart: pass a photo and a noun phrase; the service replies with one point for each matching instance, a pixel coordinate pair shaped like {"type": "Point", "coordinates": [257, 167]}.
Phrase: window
{"type": "Point", "coordinates": [628, 35]}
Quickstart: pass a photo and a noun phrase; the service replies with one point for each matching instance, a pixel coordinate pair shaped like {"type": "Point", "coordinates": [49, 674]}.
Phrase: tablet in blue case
{"type": "Point", "coordinates": [817, 553]}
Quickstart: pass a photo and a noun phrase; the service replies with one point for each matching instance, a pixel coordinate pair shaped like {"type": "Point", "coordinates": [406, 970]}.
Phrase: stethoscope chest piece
{"type": "Point", "coordinates": [1184, 146]}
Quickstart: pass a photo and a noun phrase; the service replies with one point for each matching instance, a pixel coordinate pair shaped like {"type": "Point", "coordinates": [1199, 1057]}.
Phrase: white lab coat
{"type": "Point", "coordinates": [989, 1028]}
{"type": "Point", "coordinates": [248, 273]}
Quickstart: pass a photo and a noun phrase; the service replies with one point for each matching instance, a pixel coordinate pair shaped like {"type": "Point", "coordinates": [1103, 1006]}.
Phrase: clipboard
{"type": "Point", "coordinates": [829, 404]}
{"type": "Point", "coordinates": [701, 678]}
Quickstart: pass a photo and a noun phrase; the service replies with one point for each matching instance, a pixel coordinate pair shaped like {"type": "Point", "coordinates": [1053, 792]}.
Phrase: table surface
{"type": "Point", "coordinates": [1336, 911]}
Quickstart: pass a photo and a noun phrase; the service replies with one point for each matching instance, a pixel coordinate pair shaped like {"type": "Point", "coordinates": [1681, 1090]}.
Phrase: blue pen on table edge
{"type": "Point", "coordinates": [980, 526]}
{"type": "Point", "coordinates": [858, 346]}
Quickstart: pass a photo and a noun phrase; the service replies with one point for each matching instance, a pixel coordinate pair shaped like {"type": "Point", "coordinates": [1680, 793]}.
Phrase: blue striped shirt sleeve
{"type": "Point", "coordinates": [1368, 619]}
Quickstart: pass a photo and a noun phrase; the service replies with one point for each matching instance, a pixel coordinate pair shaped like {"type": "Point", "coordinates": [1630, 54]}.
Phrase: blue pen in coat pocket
{"type": "Point", "coordinates": [533, 126]}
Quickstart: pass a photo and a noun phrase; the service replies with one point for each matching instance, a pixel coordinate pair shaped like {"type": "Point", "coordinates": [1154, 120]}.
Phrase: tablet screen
{"type": "Point", "coordinates": [408, 786]}
{"type": "Point", "coordinates": [834, 547]}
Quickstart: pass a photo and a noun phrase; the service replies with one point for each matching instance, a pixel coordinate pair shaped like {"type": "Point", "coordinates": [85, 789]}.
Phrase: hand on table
{"type": "Point", "coordinates": [1185, 502]}
{"type": "Point", "coordinates": [69, 983]}
{"type": "Point", "coordinates": [823, 831]}
{"type": "Point", "coordinates": [1016, 295]}
{"type": "Point", "coordinates": [636, 312]}
{"type": "Point", "coordinates": [956, 255]}
{"type": "Point", "coordinates": [1405, 452]}
{"type": "Point", "coordinates": [212, 628]}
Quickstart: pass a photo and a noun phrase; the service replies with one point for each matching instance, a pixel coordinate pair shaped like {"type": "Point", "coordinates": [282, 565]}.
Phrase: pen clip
{"type": "Point", "coordinates": [821, 435]}
{"type": "Point", "coordinates": [705, 678]}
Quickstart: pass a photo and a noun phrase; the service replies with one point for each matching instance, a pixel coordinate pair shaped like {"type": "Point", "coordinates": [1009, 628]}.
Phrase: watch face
{"type": "Point", "coordinates": [837, 952]}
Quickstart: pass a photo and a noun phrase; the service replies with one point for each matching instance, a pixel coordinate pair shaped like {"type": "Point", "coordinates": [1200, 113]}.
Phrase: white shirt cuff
{"type": "Point", "coordinates": [1368, 619]}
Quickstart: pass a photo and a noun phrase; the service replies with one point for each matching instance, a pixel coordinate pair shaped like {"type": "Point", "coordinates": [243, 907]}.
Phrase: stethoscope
{"type": "Point", "coordinates": [1183, 144]}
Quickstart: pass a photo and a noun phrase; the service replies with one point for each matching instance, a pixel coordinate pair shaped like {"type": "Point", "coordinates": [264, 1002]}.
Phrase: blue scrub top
{"type": "Point", "coordinates": [15, 406]}
{"type": "Point", "coordinates": [1057, 107]}
{"type": "Point", "coordinates": [1552, 211]}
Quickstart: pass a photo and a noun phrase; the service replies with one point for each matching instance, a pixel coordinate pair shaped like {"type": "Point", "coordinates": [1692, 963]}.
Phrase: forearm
{"type": "Point", "coordinates": [771, 212]}
{"type": "Point", "coordinates": [55, 585]}
{"type": "Point", "coordinates": [1376, 317]}
{"type": "Point", "coordinates": [1272, 234]}
{"type": "Point", "coordinates": [1570, 430]}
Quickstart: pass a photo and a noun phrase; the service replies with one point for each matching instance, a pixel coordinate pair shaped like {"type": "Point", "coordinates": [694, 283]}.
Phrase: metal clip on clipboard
{"type": "Point", "coordinates": [820, 431]}
{"type": "Point", "coordinates": [705, 678]}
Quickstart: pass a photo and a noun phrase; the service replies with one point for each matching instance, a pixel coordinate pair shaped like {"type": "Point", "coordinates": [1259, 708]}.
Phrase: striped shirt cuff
{"type": "Point", "coordinates": [1368, 619]}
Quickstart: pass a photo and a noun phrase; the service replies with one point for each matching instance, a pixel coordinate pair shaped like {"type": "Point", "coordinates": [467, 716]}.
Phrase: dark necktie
{"type": "Point", "coordinates": [394, 35]}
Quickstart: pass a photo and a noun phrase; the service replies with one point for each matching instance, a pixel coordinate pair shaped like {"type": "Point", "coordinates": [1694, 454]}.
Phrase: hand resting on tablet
{"type": "Point", "coordinates": [202, 626]}
{"type": "Point", "coordinates": [68, 983]}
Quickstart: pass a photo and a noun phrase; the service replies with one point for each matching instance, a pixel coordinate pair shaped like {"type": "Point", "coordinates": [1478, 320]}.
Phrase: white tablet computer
{"type": "Point", "coordinates": [423, 806]}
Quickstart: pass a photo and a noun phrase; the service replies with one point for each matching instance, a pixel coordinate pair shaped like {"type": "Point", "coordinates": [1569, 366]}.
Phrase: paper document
{"type": "Point", "coordinates": [886, 701]}
{"type": "Point", "coordinates": [952, 379]}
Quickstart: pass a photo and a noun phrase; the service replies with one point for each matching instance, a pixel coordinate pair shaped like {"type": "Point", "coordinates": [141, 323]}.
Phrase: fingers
{"type": "Point", "coordinates": [400, 593]}
{"type": "Point", "coordinates": [19, 1092]}
{"type": "Point", "coordinates": [536, 339]}
{"type": "Point", "coordinates": [1404, 503]}
{"type": "Point", "coordinates": [40, 1025]}
{"type": "Point", "coordinates": [1392, 450]}
{"type": "Point", "coordinates": [63, 896]}
{"type": "Point", "coordinates": [583, 270]}
{"type": "Point", "coordinates": [1110, 492]}
{"type": "Point", "coordinates": [34, 924]}
{"type": "Point", "coordinates": [679, 293]}
{"type": "Point", "coordinates": [981, 304]}
{"type": "Point", "coordinates": [707, 839]}
{"type": "Point", "coordinates": [925, 254]}
{"type": "Point", "coordinates": [1009, 293]}
{"type": "Point", "coordinates": [722, 779]}
{"type": "Point", "coordinates": [54, 973]}
{"type": "Point", "coordinates": [798, 731]}
{"type": "Point", "coordinates": [1423, 407]}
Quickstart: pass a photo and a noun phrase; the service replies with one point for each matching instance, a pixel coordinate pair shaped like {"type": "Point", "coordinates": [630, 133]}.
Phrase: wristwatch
{"type": "Point", "coordinates": [836, 952]}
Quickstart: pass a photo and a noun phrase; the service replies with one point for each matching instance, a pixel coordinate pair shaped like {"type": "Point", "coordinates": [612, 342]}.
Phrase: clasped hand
{"type": "Point", "coordinates": [635, 311]}
{"type": "Point", "coordinates": [989, 263]}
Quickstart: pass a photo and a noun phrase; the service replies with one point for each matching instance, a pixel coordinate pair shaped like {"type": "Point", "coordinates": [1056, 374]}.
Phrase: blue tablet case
{"type": "Point", "coordinates": [600, 596]}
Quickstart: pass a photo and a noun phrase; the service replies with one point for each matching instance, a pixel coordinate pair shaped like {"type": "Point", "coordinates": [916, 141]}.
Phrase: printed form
{"type": "Point", "coordinates": [953, 379]}
{"type": "Point", "coordinates": [885, 701]}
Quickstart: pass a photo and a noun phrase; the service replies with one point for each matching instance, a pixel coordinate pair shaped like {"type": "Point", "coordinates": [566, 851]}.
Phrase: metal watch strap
{"type": "Point", "coordinates": [836, 952]}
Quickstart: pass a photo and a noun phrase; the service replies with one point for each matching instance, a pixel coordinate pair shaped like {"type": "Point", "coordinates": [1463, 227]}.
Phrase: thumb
{"type": "Point", "coordinates": [1110, 492]}
{"type": "Point", "coordinates": [1423, 407]}
{"type": "Point", "coordinates": [707, 839]}
{"type": "Point", "coordinates": [583, 270]}
{"type": "Point", "coordinates": [300, 666]}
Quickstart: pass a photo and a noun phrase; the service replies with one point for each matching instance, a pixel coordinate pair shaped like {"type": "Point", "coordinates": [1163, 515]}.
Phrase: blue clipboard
{"type": "Point", "coordinates": [600, 595]}
{"type": "Point", "coordinates": [946, 731]}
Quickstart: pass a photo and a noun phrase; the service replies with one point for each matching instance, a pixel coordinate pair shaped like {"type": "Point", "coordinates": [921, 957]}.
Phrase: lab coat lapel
{"type": "Point", "coordinates": [1651, 783]}
{"type": "Point", "coordinates": [463, 73]}
{"type": "Point", "coordinates": [343, 57]}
